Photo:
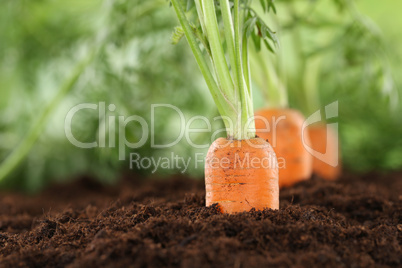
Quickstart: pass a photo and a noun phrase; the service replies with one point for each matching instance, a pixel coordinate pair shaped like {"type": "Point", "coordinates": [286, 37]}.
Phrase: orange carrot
{"type": "Point", "coordinates": [325, 141]}
{"type": "Point", "coordinates": [241, 172]}
{"type": "Point", "coordinates": [241, 175]}
{"type": "Point", "coordinates": [284, 131]}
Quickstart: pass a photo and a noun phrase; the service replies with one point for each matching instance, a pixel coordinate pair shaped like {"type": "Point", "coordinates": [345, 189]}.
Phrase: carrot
{"type": "Point", "coordinates": [241, 175]}
{"type": "Point", "coordinates": [325, 141]}
{"type": "Point", "coordinates": [285, 128]}
{"type": "Point", "coordinates": [241, 171]}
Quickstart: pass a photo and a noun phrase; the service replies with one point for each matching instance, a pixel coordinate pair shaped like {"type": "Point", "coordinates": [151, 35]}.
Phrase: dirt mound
{"type": "Point", "coordinates": [354, 222]}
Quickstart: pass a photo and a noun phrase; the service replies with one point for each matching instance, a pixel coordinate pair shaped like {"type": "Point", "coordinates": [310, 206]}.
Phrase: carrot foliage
{"type": "Point", "coordinates": [218, 33]}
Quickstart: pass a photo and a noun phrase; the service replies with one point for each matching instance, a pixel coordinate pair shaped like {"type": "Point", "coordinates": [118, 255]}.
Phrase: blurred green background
{"type": "Point", "coordinates": [125, 57]}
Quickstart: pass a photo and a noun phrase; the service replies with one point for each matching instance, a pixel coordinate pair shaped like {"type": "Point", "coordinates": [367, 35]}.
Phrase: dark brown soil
{"type": "Point", "coordinates": [355, 222]}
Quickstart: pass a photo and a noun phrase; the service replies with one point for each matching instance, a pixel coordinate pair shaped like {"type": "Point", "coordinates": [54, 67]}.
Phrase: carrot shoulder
{"type": "Point", "coordinates": [241, 175]}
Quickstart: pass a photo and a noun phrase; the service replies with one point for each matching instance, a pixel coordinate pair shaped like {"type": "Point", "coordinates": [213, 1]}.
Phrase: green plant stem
{"type": "Point", "coordinates": [269, 81]}
{"type": "Point", "coordinates": [218, 54]}
{"type": "Point", "coordinates": [272, 78]}
{"type": "Point", "coordinates": [198, 5]}
{"type": "Point", "coordinates": [307, 75]}
{"type": "Point", "coordinates": [229, 37]}
{"type": "Point", "coordinates": [282, 82]}
{"type": "Point", "coordinates": [245, 101]}
{"type": "Point", "coordinates": [242, 101]}
{"type": "Point", "coordinates": [297, 45]}
{"type": "Point", "coordinates": [247, 79]}
{"type": "Point", "coordinates": [231, 90]}
{"type": "Point", "coordinates": [246, 65]}
{"type": "Point", "coordinates": [310, 84]}
{"type": "Point", "coordinates": [20, 152]}
{"type": "Point", "coordinates": [225, 107]}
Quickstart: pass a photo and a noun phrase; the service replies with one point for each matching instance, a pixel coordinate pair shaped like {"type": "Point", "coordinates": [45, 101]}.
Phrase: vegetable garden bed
{"type": "Point", "coordinates": [353, 222]}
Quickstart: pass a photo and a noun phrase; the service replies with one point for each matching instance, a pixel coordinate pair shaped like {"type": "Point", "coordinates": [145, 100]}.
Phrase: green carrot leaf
{"type": "Point", "coordinates": [177, 35]}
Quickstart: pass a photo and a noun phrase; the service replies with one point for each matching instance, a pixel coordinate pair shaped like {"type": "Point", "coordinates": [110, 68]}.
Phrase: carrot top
{"type": "Point", "coordinates": [220, 31]}
{"type": "Point", "coordinates": [327, 43]}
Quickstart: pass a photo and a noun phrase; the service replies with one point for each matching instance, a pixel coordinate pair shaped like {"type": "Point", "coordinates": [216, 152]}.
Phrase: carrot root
{"type": "Point", "coordinates": [283, 129]}
{"type": "Point", "coordinates": [241, 175]}
{"type": "Point", "coordinates": [324, 141]}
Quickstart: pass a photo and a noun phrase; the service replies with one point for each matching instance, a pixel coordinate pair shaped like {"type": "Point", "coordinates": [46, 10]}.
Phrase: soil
{"type": "Point", "coordinates": [353, 222]}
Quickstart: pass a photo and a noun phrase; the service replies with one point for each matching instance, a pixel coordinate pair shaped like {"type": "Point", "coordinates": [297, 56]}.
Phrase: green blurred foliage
{"type": "Point", "coordinates": [334, 51]}
{"type": "Point", "coordinates": [372, 131]}
{"type": "Point", "coordinates": [369, 118]}
{"type": "Point", "coordinates": [136, 66]}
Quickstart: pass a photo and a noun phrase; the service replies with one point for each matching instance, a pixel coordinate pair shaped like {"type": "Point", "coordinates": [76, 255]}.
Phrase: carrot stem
{"type": "Point", "coordinates": [224, 105]}
{"type": "Point", "coordinates": [310, 84]}
{"type": "Point", "coordinates": [229, 37]}
{"type": "Point", "coordinates": [271, 83]}
{"type": "Point", "coordinates": [231, 87]}
{"type": "Point", "coordinates": [218, 55]}
{"type": "Point", "coordinates": [245, 100]}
